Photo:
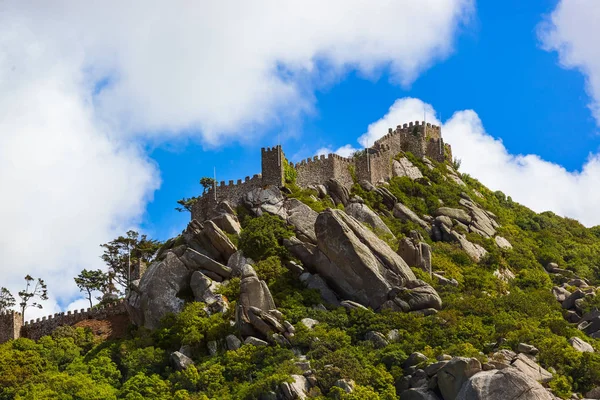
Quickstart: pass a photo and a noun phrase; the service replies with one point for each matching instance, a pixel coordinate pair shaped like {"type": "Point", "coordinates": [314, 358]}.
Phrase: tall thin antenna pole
{"type": "Point", "coordinates": [128, 267]}
{"type": "Point", "coordinates": [368, 160]}
{"type": "Point", "coordinates": [279, 150]}
{"type": "Point", "coordinates": [424, 122]}
{"type": "Point", "coordinates": [215, 183]}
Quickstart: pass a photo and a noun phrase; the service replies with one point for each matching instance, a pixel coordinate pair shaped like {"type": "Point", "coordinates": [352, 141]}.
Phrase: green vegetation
{"type": "Point", "coordinates": [481, 312]}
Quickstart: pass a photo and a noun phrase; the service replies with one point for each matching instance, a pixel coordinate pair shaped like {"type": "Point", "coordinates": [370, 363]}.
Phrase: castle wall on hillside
{"type": "Point", "coordinates": [319, 169]}
{"type": "Point", "coordinates": [419, 138]}
{"type": "Point", "coordinates": [11, 326]}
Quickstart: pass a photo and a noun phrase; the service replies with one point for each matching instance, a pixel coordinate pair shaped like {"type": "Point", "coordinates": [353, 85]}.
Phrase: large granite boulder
{"type": "Point", "coordinates": [297, 389]}
{"type": "Point", "coordinates": [228, 223]}
{"type": "Point", "coordinates": [338, 192]}
{"type": "Point", "coordinates": [205, 291]}
{"type": "Point", "coordinates": [364, 214]}
{"type": "Point", "coordinates": [415, 251]}
{"type": "Point", "coordinates": [302, 218]}
{"type": "Point", "coordinates": [507, 383]}
{"type": "Point", "coordinates": [453, 375]}
{"type": "Point", "coordinates": [254, 294]}
{"type": "Point", "coordinates": [262, 200]}
{"type": "Point", "coordinates": [530, 368]}
{"type": "Point", "coordinates": [406, 214]}
{"type": "Point", "coordinates": [356, 263]}
{"type": "Point", "coordinates": [158, 291]}
{"type": "Point", "coordinates": [403, 167]}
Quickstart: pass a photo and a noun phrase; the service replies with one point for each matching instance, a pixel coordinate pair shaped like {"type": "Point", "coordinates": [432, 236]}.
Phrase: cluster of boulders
{"type": "Point", "coordinates": [573, 300]}
{"type": "Point", "coordinates": [195, 266]}
{"type": "Point", "coordinates": [505, 375]}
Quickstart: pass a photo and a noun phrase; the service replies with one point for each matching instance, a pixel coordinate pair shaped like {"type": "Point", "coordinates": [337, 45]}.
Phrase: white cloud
{"type": "Point", "coordinates": [528, 179]}
{"type": "Point", "coordinates": [402, 111]}
{"type": "Point", "coordinates": [572, 30]}
{"type": "Point", "coordinates": [344, 151]}
{"type": "Point", "coordinates": [82, 83]}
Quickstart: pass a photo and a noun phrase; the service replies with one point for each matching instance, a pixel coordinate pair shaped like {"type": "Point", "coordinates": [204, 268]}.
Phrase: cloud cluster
{"type": "Point", "coordinates": [572, 30]}
{"type": "Point", "coordinates": [83, 84]}
{"type": "Point", "coordinates": [528, 179]}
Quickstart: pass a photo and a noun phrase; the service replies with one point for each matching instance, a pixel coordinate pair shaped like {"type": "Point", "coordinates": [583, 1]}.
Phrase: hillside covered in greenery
{"type": "Point", "coordinates": [504, 299]}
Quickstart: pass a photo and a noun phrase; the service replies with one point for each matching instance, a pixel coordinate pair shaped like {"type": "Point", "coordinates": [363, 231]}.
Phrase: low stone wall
{"type": "Point", "coordinates": [35, 329]}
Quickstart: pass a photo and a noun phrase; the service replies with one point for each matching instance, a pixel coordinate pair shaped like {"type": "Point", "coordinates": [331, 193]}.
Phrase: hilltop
{"type": "Point", "coordinates": [386, 275]}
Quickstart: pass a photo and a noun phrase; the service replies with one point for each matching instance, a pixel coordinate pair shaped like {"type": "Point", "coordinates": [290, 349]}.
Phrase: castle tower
{"type": "Point", "coordinates": [10, 325]}
{"type": "Point", "coordinates": [272, 166]}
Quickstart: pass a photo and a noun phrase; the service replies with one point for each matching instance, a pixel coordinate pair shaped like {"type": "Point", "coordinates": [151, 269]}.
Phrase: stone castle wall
{"type": "Point", "coordinates": [319, 169]}
{"type": "Point", "coordinates": [11, 326]}
{"type": "Point", "coordinates": [419, 138]}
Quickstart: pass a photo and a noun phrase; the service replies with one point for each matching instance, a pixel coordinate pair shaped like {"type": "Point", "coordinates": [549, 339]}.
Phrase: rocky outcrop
{"type": "Point", "coordinates": [367, 216]}
{"type": "Point", "coordinates": [209, 240]}
{"type": "Point", "coordinates": [205, 291]}
{"type": "Point", "coordinates": [356, 263]}
{"type": "Point", "coordinates": [180, 361]}
{"type": "Point", "coordinates": [297, 389]}
{"type": "Point", "coordinates": [314, 281]}
{"type": "Point", "coordinates": [256, 314]}
{"type": "Point", "coordinates": [158, 291]}
{"type": "Point", "coordinates": [453, 375]}
{"type": "Point", "coordinates": [415, 251]}
{"type": "Point", "coordinates": [403, 167]}
{"type": "Point", "coordinates": [461, 378]}
{"type": "Point", "coordinates": [302, 218]}
{"type": "Point", "coordinates": [338, 192]}
{"type": "Point", "coordinates": [268, 200]}
{"type": "Point", "coordinates": [228, 223]}
{"type": "Point", "coordinates": [406, 214]}
{"type": "Point", "coordinates": [508, 383]}
{"type": "Point", "coordinates": [581, 345]}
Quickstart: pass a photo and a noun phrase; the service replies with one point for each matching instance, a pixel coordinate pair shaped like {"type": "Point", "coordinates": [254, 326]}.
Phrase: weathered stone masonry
{"type": "Point", "coordinates": [418, 138]}
{"type": "Point", "coordinates": [12, 327]}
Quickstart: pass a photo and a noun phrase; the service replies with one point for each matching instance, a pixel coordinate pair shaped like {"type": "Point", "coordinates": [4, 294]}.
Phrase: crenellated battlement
{"type": "Point", "coordinates": [418, 137]}
{"type": "Point", "coordinates": [13, 327]}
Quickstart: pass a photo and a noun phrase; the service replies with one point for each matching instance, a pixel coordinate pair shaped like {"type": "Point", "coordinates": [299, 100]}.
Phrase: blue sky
{"type": "Point", "coordinates": [111, 112]}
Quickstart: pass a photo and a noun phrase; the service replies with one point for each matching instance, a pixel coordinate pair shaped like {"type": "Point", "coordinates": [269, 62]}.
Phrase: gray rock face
{"type": "Point", "coordinates": [338, 192]}
{"type": "Point", "coordinates": [302, 218]}
{"type": "Point", "coordinates": [358, 265]}
{"type": "Point", "coordinates": [346, 384]}
{"type": "Point", "coordinates": [419, 296]}
{"type": "Point", "coordinates": [228, 223]}
{"type": "Point", "coordinates": [529, 368]}
{"type": "Point", "coordinates": [502, 243]}
{"type": "Point", "coordinates": [309, 322]}
{"type": "Point", "coordinates": [232, 342]}
{"type": "Point", "coordinates": [419, 394]}
{"type": "Point", "coordinates": [379, 341]}
{"type": "Point", "coordinates": [265, 200]}
{"type": "Point", "coordinates": [570, 301]}
{"type": "Point", "coordinates": [254, 293]}
{"type": "Point", "coordinates": [219, 240]}
{"type": "Point", "coordinates": [454, 374]}
{"type": "Point", "coordinates": [415, 251]}
{"type": "Point", "coordinates": [197, 261]}
{"type": "Point", "coordinates": [297, 389]}
{"type": "Point", "coordinates": [406, 214]}
{"type": "Point", "coordinates": [157, 292]}
{"type": "Point", "coordinates": [367, 216]}
{"type": "Point", "coordinates": [560, 293]}
{"type": "Point", "coordinates": [236, 263]}
{"type": "Point", "coordinates": [475, 251]}
{"type": "Point", "coordinates": [527, 348]}
{"type": "Point", "coordinates": [581, 345]}
{"type": "Point", "coordinates": [454, 213]}
{"type": "Point", "coordinates": [403, 167]}
{"type": "Point", "coordinates": [508, 383]}
{"type": "Point", "coordinates": [255, 341]}
{"type": "Point", "coordinates": [316, 282]}
{"type": "Point", "coordinates": [388, 199]}
{"type": "Point", "coordinates": [180, 361]}
{"type": "Point", "coordinates": [204, 290]}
